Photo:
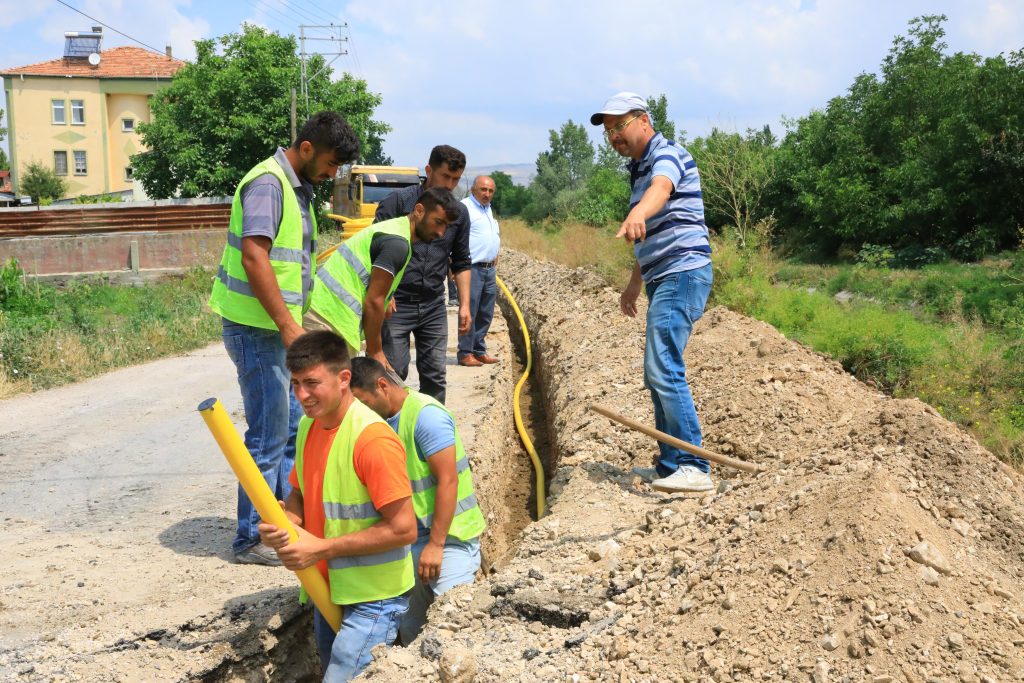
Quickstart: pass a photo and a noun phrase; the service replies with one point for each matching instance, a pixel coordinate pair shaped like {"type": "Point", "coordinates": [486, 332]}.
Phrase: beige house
{"type": "Point", "coordinates": [78, 114]}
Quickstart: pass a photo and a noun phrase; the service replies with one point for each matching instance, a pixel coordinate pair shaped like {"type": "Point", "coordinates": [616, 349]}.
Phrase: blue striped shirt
{"type": "Point", "coordinates": [676, 238]}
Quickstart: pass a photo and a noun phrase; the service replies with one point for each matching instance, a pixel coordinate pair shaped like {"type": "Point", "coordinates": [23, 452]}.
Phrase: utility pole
{"type": "Point", "coordinates": [335, 40]}
{"type": "Point", "coordinates": [293, 116]}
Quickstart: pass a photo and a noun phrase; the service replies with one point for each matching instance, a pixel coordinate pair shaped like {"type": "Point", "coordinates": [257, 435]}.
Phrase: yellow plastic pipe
{"type": "Point", "coordinates": [262, 498]}
{"type": "Point", "coordinates": [517, 414]}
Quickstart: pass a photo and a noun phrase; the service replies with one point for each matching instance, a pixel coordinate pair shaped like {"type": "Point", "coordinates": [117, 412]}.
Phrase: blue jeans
{"type": "Point", "coordinates": [364, 625]}
{"type": "Point", "coordinates": [676, 302]}
{"type": "Point", "coordinates": [271, 413]}
{"type": "Point", "coordinates": [427, 321]}
{"type": "Point", "coordinates": [459, 565]}
{"type": "Point", "coordinates": [483, 292]}
{"type": "Point", "coordinates": [453, 291]}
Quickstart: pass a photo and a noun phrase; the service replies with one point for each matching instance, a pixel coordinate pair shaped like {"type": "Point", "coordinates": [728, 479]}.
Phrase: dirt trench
{"type": "Point", "coordinates": [505, 486]}
{"type": "Point", "coordinates": [881, 543]}
{"type": "Point", "coordinates": [117, 527]}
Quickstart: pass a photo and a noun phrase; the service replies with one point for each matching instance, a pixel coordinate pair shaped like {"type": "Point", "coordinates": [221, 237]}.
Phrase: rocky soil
{"type": "Point", "coordinates": [118, 514]}
{"type": "Point", "coordinates": [881, 543]}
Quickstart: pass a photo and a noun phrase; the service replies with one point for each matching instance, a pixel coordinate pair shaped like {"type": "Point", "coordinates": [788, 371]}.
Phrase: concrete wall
{"type": "Point", "coordinates": [113, 253]}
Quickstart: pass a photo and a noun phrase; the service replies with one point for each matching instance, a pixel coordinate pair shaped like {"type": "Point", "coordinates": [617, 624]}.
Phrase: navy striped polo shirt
{"type": "Point", "coordinates": [677, 238]}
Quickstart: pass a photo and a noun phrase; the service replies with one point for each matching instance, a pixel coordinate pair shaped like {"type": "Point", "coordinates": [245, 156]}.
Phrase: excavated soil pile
{"type": "Point", "coordinates": [880, 544]}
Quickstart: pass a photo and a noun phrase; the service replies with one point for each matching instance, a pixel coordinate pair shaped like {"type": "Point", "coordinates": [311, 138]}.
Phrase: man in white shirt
{"type": "Point", "coordinates": [484, 242]}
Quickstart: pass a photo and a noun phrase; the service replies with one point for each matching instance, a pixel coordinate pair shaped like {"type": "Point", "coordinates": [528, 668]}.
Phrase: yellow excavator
{"type": "Point", "coordinates": [359, 190]}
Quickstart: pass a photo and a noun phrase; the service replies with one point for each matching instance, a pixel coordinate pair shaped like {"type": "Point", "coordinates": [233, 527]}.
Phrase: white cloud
{"type": "Point", "coordinates": [13, 12]}
{"type": "Point", "coordinates": [155, 24]}
{"type": "Point", "coordinates": [998, 25]}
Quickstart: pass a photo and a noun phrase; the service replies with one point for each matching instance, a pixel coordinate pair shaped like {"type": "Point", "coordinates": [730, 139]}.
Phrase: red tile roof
{"type": "Point", "coordinates": [118, 62]}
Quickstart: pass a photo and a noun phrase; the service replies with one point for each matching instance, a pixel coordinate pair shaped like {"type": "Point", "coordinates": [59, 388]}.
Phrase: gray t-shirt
{"type": "Point", "coordinates": [262, 200]}
{"type": "Point", "coordinates": [388, 252]}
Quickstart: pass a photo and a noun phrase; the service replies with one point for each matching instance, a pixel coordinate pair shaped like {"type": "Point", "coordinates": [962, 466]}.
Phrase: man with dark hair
{"type": "Point", "coordinates": [355, 285]}
{"type": "Point", "coordinates": [673, 265]}
{"type": "Point", "coordinates": [420, 298]}
{"type": "Point", "coordinates": [448, 519]}
{"type": "Point", "coordinates": [261, 291]}
{"type": "Point", "coordinates": [351, 505]}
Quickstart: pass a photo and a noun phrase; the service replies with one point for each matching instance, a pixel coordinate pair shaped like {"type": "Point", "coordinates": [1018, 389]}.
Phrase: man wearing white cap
{"type": "Point", "coordinates": [673, 264]}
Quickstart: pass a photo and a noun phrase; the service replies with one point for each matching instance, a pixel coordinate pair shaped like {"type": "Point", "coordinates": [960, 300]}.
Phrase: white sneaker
{"type": "Point", "coordinates": [648, 474]}
{"type": "Point", "coordinates": [684, 479]}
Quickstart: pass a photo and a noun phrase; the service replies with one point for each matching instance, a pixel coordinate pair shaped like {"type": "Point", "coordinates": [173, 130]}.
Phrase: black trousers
{"type": "Point", "coordinates": [427, 322]}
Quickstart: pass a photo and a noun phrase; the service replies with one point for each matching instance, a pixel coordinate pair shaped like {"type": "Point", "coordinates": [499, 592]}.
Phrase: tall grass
{"type": "Point", "coordinates": [52, 335]}
{"type": "Point", "coordinates": [573, 245]}
{"type": "Point", "coordinates": [939, 352]}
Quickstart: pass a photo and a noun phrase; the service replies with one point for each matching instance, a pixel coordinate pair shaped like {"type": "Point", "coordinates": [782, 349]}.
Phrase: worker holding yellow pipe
{"type": "Point", "coordinates": [351, 502]}
{"type": "Point", "coordinates": [259, 493]}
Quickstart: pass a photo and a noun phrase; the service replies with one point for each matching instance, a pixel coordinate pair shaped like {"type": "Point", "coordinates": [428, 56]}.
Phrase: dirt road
{"type": "Point", "coordinates": [118, 514]}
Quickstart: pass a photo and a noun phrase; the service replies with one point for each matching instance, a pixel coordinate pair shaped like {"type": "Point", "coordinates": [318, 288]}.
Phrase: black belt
{"type": "Point", "coordinates": [486, 264]}
{"type": "Point", "coordinates": [418, 298]}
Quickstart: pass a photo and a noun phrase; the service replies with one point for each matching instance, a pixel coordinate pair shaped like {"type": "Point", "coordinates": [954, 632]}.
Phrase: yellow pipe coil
{"type": "Point", "coordinates": [538, 468]}
{"type": "Point", "coordinates": [252, 481]}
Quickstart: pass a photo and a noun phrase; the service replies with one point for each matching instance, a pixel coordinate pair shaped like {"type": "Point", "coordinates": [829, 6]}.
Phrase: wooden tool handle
{"type": "Point", "coordinates": [678, 443]}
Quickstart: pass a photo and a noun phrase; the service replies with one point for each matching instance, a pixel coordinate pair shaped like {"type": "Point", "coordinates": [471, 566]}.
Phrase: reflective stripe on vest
{"type": "Point", "coordinates": [232, 296]}
{"type": "Point", "coordinates": [464, 505]}
{"type": "Point", "coordinates": [348, 508]}
{"type": "Point", "coordinates": [468, 521]}
{"type": "Point", "coordinates": [276, 253]}
{"type": "Point", "coordinates": [242, 287]}
{"type": "Point", "coordinates": [342, 281]}
{"type": "Point", "coordinates": [429, 481]}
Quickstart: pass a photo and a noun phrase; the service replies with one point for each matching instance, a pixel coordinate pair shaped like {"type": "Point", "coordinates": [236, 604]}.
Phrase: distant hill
{"type": "Point", "coordinates": [521, 174]}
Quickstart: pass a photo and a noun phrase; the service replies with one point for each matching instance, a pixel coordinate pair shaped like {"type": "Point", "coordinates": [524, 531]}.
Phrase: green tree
{"type": "Point", "coordinates": [562, 171]}
{"type": "Point", "coordinates": [4, 163]}
{"type": "Point", "coordinates": [509, 198]}
{"type": "Point", "coordinates": [227, 111]}
{"type": "Point", "coordinates": [928, 153]}
{"type": "Point", "coordinates": [735, 173]}
{"type": "Point", "coordinates": [41, 183]}
{"type": "Point", "coordinates": [605, 198]}
{"type": "Point", "coordinates": [658, 107]}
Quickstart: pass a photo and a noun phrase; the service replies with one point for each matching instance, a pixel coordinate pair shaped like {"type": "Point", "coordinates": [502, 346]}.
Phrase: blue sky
{"type": "Point", "coordinates": [493, 77]}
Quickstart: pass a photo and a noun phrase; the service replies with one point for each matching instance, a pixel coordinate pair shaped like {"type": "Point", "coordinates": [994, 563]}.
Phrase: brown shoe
{"type": "Point", "coordinates": [470, 362]}
{"type": "Point", "coordinates": [487, 360]}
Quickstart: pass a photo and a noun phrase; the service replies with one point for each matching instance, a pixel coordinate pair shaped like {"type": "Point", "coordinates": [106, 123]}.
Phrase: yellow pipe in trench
{"type": "Point", "coordinates": [255, 485]}
{"type": "Point", "coordinates": [516, 412]}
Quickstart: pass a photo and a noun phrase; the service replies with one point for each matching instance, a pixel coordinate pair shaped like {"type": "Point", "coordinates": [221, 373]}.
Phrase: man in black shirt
{"type": "Point", "coordinates": [420, 298]}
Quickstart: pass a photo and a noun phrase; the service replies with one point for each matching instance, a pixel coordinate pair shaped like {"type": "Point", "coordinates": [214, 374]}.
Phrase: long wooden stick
{"type": "Point", "coordinates": [678, 443]}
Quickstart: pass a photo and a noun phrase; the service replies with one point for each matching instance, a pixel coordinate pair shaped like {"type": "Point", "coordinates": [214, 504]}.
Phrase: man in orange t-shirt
{"type": "Point", "coordinates": [370, 589]}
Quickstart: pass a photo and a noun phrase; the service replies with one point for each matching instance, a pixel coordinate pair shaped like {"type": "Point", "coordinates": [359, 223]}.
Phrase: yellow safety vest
{"type": "Point", "coordinates": [232, 297]}
{"type": "Point", "coordinates": [341, 282]}
{"type": "Point", "coordinates": [347, 509]}
{"type": "Point", "coordinates": [469, 520]}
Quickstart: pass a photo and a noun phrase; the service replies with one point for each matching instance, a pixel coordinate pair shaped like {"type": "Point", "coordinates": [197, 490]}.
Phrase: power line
{"type": "Point", "coordinates": [136, 40]}
{"type": "Point", "coordinates": [265, 8]}
{"type": "Point", "coordinates": [355, 55]}
{"type": "Point", "coordinates": [306, 16]}
{"type": "Point", "coordinates": [333, 17]}
{"type": "Point", "coordinates": [325, 16]}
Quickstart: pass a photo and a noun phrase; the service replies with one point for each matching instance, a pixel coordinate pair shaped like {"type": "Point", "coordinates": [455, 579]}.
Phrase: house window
{"type": "Point", "coordinates": [128, 125]}
{"type": "Point", "coordinates": [78, 112]}
{"type": "Point", "coordinates": [58, 111]}
{"type": "Point", "coordinates": [128, 174]}
{"type": "Point", "coordinates": [80, 165]}
{"type": "Point", "coordinates": [60, 163]}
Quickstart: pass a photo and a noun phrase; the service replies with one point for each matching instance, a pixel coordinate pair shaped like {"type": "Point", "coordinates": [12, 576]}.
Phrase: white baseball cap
{"type": "Point", "coordinates": [619, 103]}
